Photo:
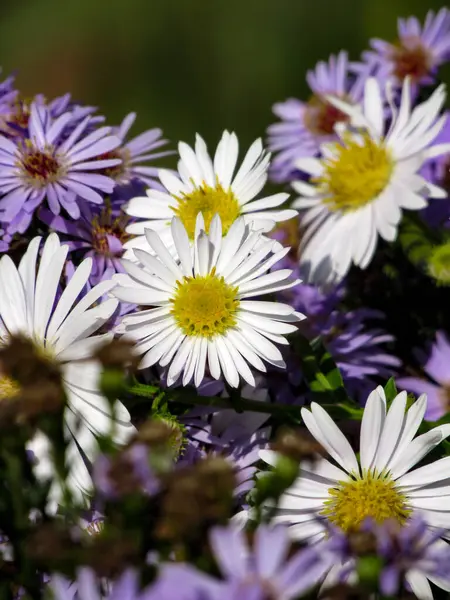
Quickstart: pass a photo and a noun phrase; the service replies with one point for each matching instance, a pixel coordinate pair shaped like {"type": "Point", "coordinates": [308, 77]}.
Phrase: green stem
{"type": "Point", "coordinates": [188, 397]}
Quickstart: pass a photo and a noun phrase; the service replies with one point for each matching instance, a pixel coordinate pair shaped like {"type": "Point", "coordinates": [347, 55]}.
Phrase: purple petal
{"type": "Point", "coordinates": [271, 546]}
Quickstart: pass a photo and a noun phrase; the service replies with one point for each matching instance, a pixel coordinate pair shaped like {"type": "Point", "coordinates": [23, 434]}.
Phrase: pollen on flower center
{"type": "Point", "coordinates": [8, 388]}
{"type": "Point", "coordinates": [208, 201]}
{"type": "Point", "coordinates": [356, 174]}
{"type": "Point", "coordinates": [205, 306]}
{"type": "Point", "coordinates": [117, 172]}
{"type": "Point", "coordinates": [320, 116]}
{"type": "Point", "coordinates": [40, 167]}
{"type": "Point", "coordinates": [411, 58]}
{"type": "Point", "coordinates": [108, 233]}
{"type": "Point", "coordinates": [351, 502]}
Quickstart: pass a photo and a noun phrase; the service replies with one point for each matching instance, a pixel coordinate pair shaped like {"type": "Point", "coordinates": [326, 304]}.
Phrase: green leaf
{"type": "Point", "coordinates": [390, 390]}
{"type": "Point", "coordinates": [416, 240]}
{"type": "Point", "coordinates": [319, 369]}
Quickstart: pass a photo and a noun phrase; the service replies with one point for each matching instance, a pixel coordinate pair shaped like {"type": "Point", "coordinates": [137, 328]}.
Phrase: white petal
{"type": "Point", "coordinates": [371, 428]}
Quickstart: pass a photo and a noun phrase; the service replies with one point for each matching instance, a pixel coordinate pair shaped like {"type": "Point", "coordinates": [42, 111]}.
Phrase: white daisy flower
{"type": "Point", "coordinates": [378, 484]}
{"type": "Point", "coordinates": [202, 315]}
{"type": "Point", "coordinates": [62, 329]}
{"type": "Point", "coordinates": [361, 184]}
{"type": "Point", "coordinates": [208, 186]}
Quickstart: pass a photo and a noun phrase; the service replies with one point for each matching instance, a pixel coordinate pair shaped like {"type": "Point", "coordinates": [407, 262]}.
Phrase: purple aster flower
{"type": "Point", "coordinates": [132, 154]}
{"type": "Point", "coordinates": [45, 165]}
{"type": "Point", "coordinates": [88, 586]}
{"type": "Point", "coordinates": [357, 349]}
{"type": "Point", "coordinates": [238, 437]}
{"type": "Point", "coordinates": [418, 52]}
{"type": "Point", "coordinates": [15, 114]}
{"type": "Point", "coordinates": [264, 571]}
{"type": "Point", "coordinates": [135, 470]}
{"type": "Point", "coordinates": [437, 368]}
{"type": "Point", "coordinates": [411, 549]}
{"type": "Point", "coordinates": [305, 126]}
{"type": "Point", "coordinates": [99, 233]}
{"type": "Point", "coordinates": [411, 555]}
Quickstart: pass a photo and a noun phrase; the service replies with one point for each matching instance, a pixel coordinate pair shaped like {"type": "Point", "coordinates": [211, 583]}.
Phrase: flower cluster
{"type": "Point", "coordinates": [197, 394]}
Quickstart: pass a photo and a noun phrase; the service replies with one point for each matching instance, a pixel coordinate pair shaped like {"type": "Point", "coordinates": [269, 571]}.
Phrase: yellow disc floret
{"type": "Point", "coordinates": [208, 201]}
{"type": "Point", "coordinates": [351, 502]}
{"type": "Point", "coordinates": [205, 306]}
{"type": "Point", "coordinates": [8, 388]}
{"type": "Point", "coordinates": [357, 173]}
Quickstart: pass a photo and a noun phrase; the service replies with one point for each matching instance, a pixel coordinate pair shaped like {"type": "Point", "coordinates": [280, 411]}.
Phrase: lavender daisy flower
{"type": "Point", "coordinates": [238, 437]}
{"type": "Point", "coordinates": [43, 166]}
{"type": "Point", "coordinates": [411, 555]}
{"type": "Point", "coordinates": [409, 550]}
{"type": "Point", "coordinates": [15, 114]}
{"type": "Point", "coordinates": [357, 349]}
{"type": "Point", "coordinates": [99, 233]}
{"type": "Point", "coordinates": [418, 52]}
{"type": "Point", "coordinates": [264, 570]}
{"type": "Point", "coordinates": [437, 368]}
{"type": "Point", "coordinates": [305, 126]}
{"type": "Point", "coordinates": [88, 586]}
{"type": "Point", "coordinates": [132, 153]}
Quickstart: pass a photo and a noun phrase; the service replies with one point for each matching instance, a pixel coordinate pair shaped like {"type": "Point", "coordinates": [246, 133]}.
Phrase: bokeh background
{"type": "Point", "coordinates": [187, 65]}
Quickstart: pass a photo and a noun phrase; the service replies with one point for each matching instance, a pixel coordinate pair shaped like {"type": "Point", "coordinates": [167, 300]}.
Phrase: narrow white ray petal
{"type": "Point", "coordinates": [179, 360]}
{"type": "Point", "coordinates": [13, 306]}
{"type": "Point", "coordinates": [155, 266]}
{"type": "Point", "coordinates": [27, 271]}
{"type": "Point", "coordinates": [371, 428]}
{"type": "Point", "coordinates": [69, 295]}
{"type": "Point", "coordinates": [436, 471]}
{"type": "Point", "coordinates": [335, 438]}
{"type": "Point", "coordinates": [181, 241]}
{"type": "Point", "coordinates": [204, 160]}
{"type": "Point", "coordinates": [155, 242]}
{"type": "Point", "coordinates": [414, 418]}
{"type": "Point", "coordinates": [419, 584]}
{"type": "Point", "coordinates": [47, 281]}
{"type": "Point", "coordinates": [201, 362]}
{"type": "Point", "coordinates": [191, 361]}
{"type": "Point", "coordinates": [226, 363]}
{"type": "Point", "coordinates": [392, 429]}
{"type": "Point", "coordinates": [419, 448]}
{"type": "Point", "coordinates": [240, 364]}
{"type": "Point", "coordinates": [213, 360]}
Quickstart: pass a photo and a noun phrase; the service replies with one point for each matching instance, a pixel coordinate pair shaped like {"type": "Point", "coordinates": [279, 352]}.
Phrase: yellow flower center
{"type": "Point", "coordinates": [208, 201]}
{"type": "Point", "coordinates": [356, 175]}
{"type": "Point", "coordinates": [354, 501]}
{"type": "Point", "coordinates": [205, 306]}
{"type": "Point", "coordinates": [8, 388]}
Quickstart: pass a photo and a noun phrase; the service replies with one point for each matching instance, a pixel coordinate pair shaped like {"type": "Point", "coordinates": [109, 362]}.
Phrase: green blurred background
{"type": "Point", "coordinates": [187, 65]}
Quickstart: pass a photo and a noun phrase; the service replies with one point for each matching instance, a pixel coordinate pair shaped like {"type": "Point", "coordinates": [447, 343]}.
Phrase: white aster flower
{"type": "Point", "coordinates": [379, 484]}
{"type": "Point", "coordinates": [208, 186]}
{"type": "Point", "coordinates": [361, 184]}
{"type": "Point", "coordinates": [62, 330]}
{"type": "Point", "coordinates": [202, 315]}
